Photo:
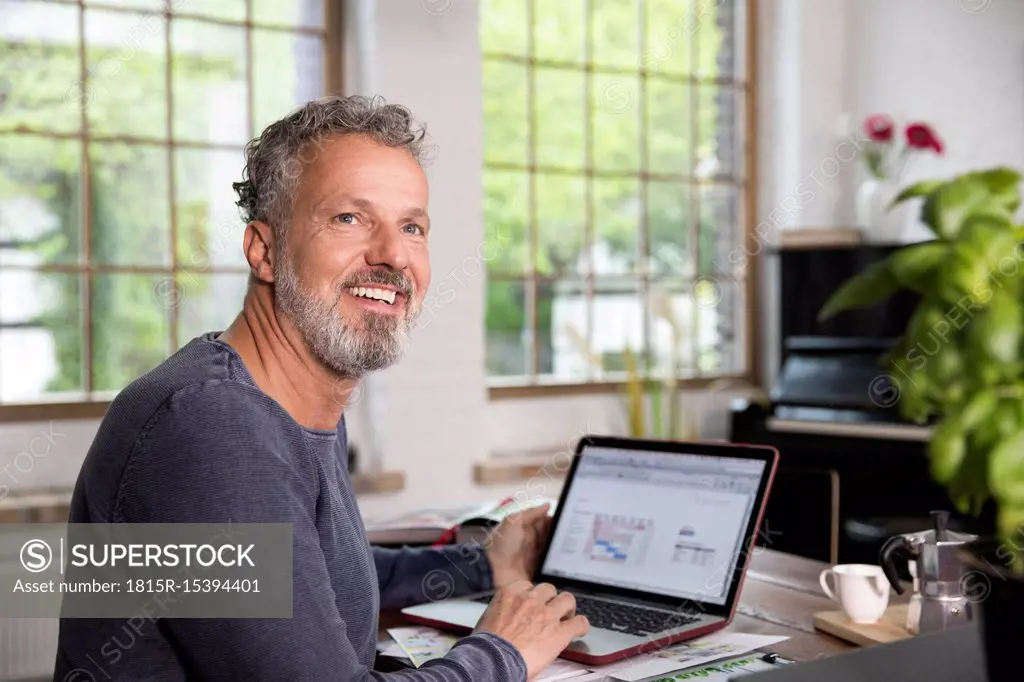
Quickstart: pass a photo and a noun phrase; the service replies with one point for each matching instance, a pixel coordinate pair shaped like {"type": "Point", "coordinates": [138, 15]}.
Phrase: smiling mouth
{"type": "Point", "coordinates": [375, 294]}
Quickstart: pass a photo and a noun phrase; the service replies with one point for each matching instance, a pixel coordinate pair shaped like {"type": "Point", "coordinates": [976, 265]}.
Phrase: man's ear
{"type": "Point", "coordinates": [260, 250]}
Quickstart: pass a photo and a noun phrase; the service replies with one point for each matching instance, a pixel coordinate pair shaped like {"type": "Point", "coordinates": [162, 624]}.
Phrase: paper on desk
{"type": "Point", "coordinates": [389, 647]}
{"type": "Point", "coordinates": [562, 669]}
{"type": "Point", "coordinates": [721, 671]}
{"type": "Point", "coordinates": [687, 655]}
{"type": "Point", "coordinates": [590, 677]}
{"type": "Point", "coordinates": [422, 644]}
{"type": "Point", "coordinates": [429, 644]}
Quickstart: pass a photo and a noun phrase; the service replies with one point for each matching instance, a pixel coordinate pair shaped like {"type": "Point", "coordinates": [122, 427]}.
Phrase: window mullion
{"type": "Point", "coordinates": [694, 188]}
{"type": "Point", "coordinates": [533, 285]}
{"type": "Point", "coordinates": [644, 246]}
{"type": "Point", "coordinates": [588, 192]}
{"type": "Point", "coordinates": [86, 216]}
{"type": "Point", "coordinates": [171, 179]}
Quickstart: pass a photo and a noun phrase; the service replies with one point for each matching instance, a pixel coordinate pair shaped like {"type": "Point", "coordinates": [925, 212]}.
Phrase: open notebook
{"type": "Point", "coordinates": [445, 526]}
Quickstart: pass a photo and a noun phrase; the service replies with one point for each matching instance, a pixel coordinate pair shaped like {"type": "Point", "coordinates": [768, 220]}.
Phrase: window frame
{"type": "Point", "coordinates": [94, 405]}
{"type": "Point", "coordinates": [752, 305]}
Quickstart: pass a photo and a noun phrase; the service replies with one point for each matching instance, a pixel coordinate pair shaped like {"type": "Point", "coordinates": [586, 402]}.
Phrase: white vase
{"type": "Point", "coordinates": [879, 224]}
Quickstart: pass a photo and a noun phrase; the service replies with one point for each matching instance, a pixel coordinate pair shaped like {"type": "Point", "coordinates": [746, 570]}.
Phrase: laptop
{"type": "Point", "coordinates": [651, 537]}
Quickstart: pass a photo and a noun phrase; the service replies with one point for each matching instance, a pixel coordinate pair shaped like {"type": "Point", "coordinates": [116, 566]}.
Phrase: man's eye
{"type": "Point", "coordinates": [347, 218]}
{"type": "Point", "coordinates": [413, 228]}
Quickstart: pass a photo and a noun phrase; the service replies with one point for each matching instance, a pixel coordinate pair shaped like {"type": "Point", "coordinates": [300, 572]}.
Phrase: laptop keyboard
{"type": "Point", "coordinates": [625, 618]}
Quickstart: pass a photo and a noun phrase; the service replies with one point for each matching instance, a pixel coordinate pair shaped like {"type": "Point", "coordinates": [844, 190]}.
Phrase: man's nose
{"type": "Point", "coordinates": [387, 247]}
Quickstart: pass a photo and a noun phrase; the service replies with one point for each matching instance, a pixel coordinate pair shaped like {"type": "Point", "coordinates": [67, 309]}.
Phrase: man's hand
{"type": "Point", "coordinates": [514, 547]}
{"type": "Point", "coordinates": [538, 621]}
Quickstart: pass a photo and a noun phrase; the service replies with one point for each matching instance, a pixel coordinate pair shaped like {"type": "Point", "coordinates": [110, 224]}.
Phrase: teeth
{"type": "Point", "coordinates": [374, 293]}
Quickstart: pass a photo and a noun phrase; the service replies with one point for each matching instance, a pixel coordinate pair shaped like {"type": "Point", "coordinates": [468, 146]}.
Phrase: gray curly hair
{"type": "Point", "coordinates": [274, 160]}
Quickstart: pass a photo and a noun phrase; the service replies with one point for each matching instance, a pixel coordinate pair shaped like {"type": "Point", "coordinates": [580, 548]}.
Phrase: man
{"type": "Point", "coordinates": [247, 425]}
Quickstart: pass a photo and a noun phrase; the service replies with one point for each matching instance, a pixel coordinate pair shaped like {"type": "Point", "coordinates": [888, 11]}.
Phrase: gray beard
{"type": "Point", "coordinates": [378, 342]}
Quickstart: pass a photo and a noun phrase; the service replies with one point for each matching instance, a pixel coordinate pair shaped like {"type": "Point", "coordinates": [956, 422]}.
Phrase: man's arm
{"type": "Point", "coordinates": [410, 576]}
{"type": "Point", "coordinates": [203, 462]}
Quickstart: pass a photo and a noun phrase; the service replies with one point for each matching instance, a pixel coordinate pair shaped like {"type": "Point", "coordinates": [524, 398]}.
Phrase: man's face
{"type": "Point", "coordinates": [352, 265]}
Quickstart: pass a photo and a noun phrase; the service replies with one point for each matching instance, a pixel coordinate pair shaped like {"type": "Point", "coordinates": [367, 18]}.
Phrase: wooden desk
{"type": "Point", "coordinates": [780, 596]}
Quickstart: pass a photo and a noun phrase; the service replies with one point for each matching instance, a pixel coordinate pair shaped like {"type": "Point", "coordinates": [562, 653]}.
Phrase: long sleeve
{"type": "Point", "coordinates": [411, 576]}
{"type": "Point", "coordinates": [208, 459]}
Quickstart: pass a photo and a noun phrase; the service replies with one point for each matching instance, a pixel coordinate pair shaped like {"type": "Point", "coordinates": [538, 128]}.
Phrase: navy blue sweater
{"type": "Point", "coordinates": [196, 441]}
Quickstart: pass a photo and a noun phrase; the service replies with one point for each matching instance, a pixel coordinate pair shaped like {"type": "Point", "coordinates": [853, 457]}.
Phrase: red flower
{"type": "Point", "coordinates": [879, 127]}
{"type": "Point", "coordinates": [920, 136]}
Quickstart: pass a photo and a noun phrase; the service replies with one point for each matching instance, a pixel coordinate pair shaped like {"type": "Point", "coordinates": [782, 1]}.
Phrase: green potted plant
{"type": "Point", "coordinates": [960, 367]}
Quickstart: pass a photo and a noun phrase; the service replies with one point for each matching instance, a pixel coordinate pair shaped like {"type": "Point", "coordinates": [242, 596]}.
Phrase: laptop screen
{"type": "Point", "coordinates": [665, 523]}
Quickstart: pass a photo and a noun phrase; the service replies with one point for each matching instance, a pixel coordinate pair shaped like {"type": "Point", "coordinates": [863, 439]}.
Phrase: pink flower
{"type": "Point", "coordinates": [921, 136]}
{"type": "Point", "coordinates": [879, 127]}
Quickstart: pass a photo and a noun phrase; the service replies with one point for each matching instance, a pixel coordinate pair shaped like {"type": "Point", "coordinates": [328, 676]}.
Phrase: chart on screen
{"type": "Point", "coordinates": [614, 539]}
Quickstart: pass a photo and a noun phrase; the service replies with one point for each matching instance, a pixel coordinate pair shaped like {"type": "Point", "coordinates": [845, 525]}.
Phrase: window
{"type": "Point", "coordinates": [616, 188]}
{"type": "Point", "coordinates": [122, 124]}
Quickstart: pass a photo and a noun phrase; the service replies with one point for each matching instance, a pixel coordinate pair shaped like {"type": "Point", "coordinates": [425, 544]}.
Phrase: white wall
{"type": "Point", "coordinates": [819, 60]}
{"type": "Point", "coordinates": [964, 72]}
{"type": "Point", "coordinates": [960, 71]}
{"type": "Point", "coordinates": [42, 454]}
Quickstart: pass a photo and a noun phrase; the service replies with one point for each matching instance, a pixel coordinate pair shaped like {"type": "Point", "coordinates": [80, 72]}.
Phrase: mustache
{"type": "Point", "coordinates": [386, 276]}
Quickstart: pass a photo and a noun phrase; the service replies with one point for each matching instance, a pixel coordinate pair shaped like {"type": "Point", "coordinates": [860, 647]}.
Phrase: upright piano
{"type": "Point", "coordinates": [851, 472]}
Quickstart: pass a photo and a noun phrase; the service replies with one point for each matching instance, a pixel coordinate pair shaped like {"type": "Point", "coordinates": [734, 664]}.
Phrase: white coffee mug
{"type": "Point", "coordinates": [862, 591]}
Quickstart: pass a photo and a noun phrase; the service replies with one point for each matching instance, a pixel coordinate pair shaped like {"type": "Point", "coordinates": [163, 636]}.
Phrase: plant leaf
{"type": "Point", "coordinates": [913, 266]}
{"type": "Point", "coordinates": [1006, 470]}
{"type": "Point", "coordinates": [947, 450]}
{"type": "Point", "coordinates": [989, 234]}
{"type": "Point", "coordinates": [914, 402]}
{"type": "Point", "coordinates": [977, 410]}
{"type": "Point", "coordinates": [1001, 424]}
{"type": "Point", "coordinates": [920, 189]}
{"type": "Point", "coordinates": [875, 284]}
{"type": "Point", "coordinates": [995, 212]}
{"type": "Point", "coordinates": [967, 273]}
{"type": "Point", "coordinates": [1010, 521]}
{"type": "Point", "coordinates": [969, 490]}
{"type": "Point", "coordinates": [923, 326]}
{"type": "Point", "coordinates": [945, 210]}
{"type": "Point", "coordinates": [997, 331]}
{"type": "Point", "coordinates": [1003, 184]}
{"type": "Point", "coordinates": [635, 395]}
{"type": "Point", "coordinates": [657, 411]}
{"type": "Point", "coordinates": [946, 366]}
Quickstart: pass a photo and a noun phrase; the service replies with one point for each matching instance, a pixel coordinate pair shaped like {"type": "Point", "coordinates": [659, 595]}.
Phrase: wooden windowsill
{"type": "Point", "coordinates": [52, 503]}
{"type": "Point", "coordinates": [52, 411]}
{"type": "Point", "coordinates": [96, 409]}
{"type": "Point", "coordinates": [36, 498]}
{"type": "Point", "coordinates": [497, 472]}
{"type": "Point", "coordinates": [504, 392]}
{"type": "Point", "coordinates": [36, 506]}
{"type": "Point", "coordinates": [378, 483]}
